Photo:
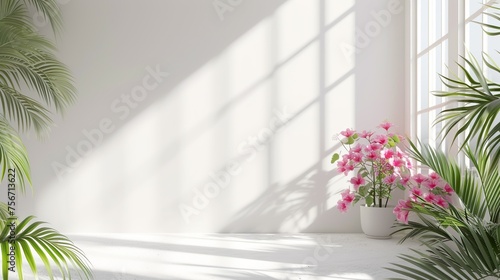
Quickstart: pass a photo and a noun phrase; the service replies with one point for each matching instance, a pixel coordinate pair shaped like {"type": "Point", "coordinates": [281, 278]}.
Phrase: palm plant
{"type": "Point", "coordinates": [32, 82]}
{"type": "Point", "coordinates": [462, 243]}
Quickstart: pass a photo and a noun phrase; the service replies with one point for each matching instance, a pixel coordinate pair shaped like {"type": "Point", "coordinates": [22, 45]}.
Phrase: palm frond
{"type": "Point", "coordinates": [25, 59]}
{"type": "Point", "coordinates": [464, 182]}
{"type": "Point", "coordinates": [479, 105]}
{"type": "Point", "coordinates": [465, 247]}
{"type": "Point", "coordinates": [50, 10]}
{"type": "Point", "coordinates": [52, 248]}
{"type": "Point", "coordinates": [26, 62]}
{"type": "Point", "coordinates": [25, 111]}
{"type": "Point", "coordinates": [13, 154]}
{"type": "Point", "coordinates": [4, 214]}
{"type": "Point", "coordinates": [13, 16]}
{"type": "Point", "coordinates": [489, 176]}
{"type": "Point", "coordinates": [491, 29]}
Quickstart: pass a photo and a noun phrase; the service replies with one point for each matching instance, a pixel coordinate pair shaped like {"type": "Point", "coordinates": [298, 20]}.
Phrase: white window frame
{"type": "Point", "coordinates": [457, 42]}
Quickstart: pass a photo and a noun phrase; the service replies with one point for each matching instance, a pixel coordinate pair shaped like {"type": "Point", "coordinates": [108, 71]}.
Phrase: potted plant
{"type": "Point", "coordinates": [378, 167]}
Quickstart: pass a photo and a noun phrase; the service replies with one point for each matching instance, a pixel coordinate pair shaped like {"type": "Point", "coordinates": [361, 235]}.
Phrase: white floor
{"type": "Point", "coordinates": [240, 256]}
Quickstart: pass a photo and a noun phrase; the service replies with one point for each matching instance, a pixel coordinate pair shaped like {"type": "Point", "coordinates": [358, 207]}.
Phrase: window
{"type": "Point", "coordinates": [439, 32]}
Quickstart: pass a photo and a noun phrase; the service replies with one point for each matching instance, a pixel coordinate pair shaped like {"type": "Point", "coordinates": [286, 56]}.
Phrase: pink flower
{"type": "Point", "coordinates": [441, 202]}
{"type": "Point", "coordinates": [357, 157]}
{"type": "Point", "coordinates": [347, 196]}
{"type": "Point", "coordinates": [357, 149]}
{"type": "Point", "coordinates": [386, 125]}
{"type": "Point", "coordinates": [365, 134]}
{"type": "Point", "coordinates": [357, 181]}
{"type": "Point", "coordinates": [373, 147]}
{"type": "Point", "coordinates": [404, 204]}
{"type": "Point", "coordinates": [341, 166]}
{"type": "Point", "coordinates": [408, 164]}
{"type": "Point", "coordinates": [402, 210]}
{"type": "Point", "coordinates": [388, 153]}
{"type": "Point", "coordinates": [415, 193]}
{"type": "Point", "coordinates": [434, 176]}
{"type": "Point", "coordinates": [349, 167]}
{"type": "Point", "coordinates": [381, 139]}
{"type": "Point", "coordinates": [431, 184]}
{"type": "Point", "coordinates": [347, 133]}
{"type": "Point", "coordinates": [372, 156]}
{"type": "Point", "coordinates": [389, 180]}
{"type": "Point", "coordinates": [405, 179]}
{"type": "Point", "coordinates": [430, 197]}
{"type": "Point", "coordinates": [397, 162]}
{"type": "Point", "coordinates": [402, 216]}
{"type": "Point", "coordinates": [419, 178]}
{"type": "Point", "coordinates": [342, 206]}
{"type": "Point", "coordinates": [448, 189]}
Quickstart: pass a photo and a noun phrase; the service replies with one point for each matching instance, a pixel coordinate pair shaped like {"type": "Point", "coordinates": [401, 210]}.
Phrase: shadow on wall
{"type": "Point", "coordinates": [171, 41]}
{"type": "Point", "coordinates": [168, 47]}
{"type": "Point", "coordinates": [303, 203]}
{"type": "Point", "coordinates": [292, 206]}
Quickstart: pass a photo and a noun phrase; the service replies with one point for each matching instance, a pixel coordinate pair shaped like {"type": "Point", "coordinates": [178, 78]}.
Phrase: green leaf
{"type": "Point", "coordinates": [369, 200]}
{"type": "Point", "coordinates": [363, 191]}
{"type": "Point", "coordinates": [51, 247]}
{"type": "Point", "coordinates": [5, 264]}
{"type": "Point", "coordinates": [391, 143]}
{"type": "Point", "coordinates": [13, 154]}
{"type": "Point", "coordinates": [335, 157]}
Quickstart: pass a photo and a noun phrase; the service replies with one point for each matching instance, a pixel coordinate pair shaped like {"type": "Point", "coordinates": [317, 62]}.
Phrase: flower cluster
{"type": "Point", "coordinates": [423, 188]}
{"type": "Point", "coordinates": [379, 166]}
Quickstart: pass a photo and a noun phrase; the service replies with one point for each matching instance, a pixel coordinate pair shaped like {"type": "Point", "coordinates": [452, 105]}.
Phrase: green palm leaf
{"type": "Point", "coordinates": [491, 29]}
{"type": "Point", "coordinates": [26, 59]}
{"type": "Point", "coordinates": [13, 154]}
{"type": "Point", "coordinates": [25, 110]}
{"type": "Point", "coordinates": [37, 70]}
{"type": "Point", "coordinates": [489, 176]}
{"type": "Point", "coordinates": [50, 10]}
{"type": "Point", "coordinates": [465, 247]}
{"type": "Point", "coordinates": [51, 247]}
{"type": "Point", "coordinates": [479, 105]}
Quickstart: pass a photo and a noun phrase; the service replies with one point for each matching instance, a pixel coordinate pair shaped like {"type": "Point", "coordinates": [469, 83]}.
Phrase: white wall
{"type": "Point", "coordinates": [157, 141]}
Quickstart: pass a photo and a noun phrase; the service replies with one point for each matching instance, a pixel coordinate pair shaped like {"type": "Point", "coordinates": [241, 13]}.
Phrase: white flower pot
{"type": "Point", "coordinates": [377, 222]}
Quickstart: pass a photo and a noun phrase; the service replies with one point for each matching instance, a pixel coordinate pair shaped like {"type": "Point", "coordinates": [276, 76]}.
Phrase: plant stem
{"type": "Point", "coordinates": [380, 196]}
{"type": "Point", "coordinates": [374, 190]}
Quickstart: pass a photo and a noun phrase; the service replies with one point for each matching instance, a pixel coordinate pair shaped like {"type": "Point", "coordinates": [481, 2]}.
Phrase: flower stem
{"type": "Point", "coordinates": [380, 196]}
